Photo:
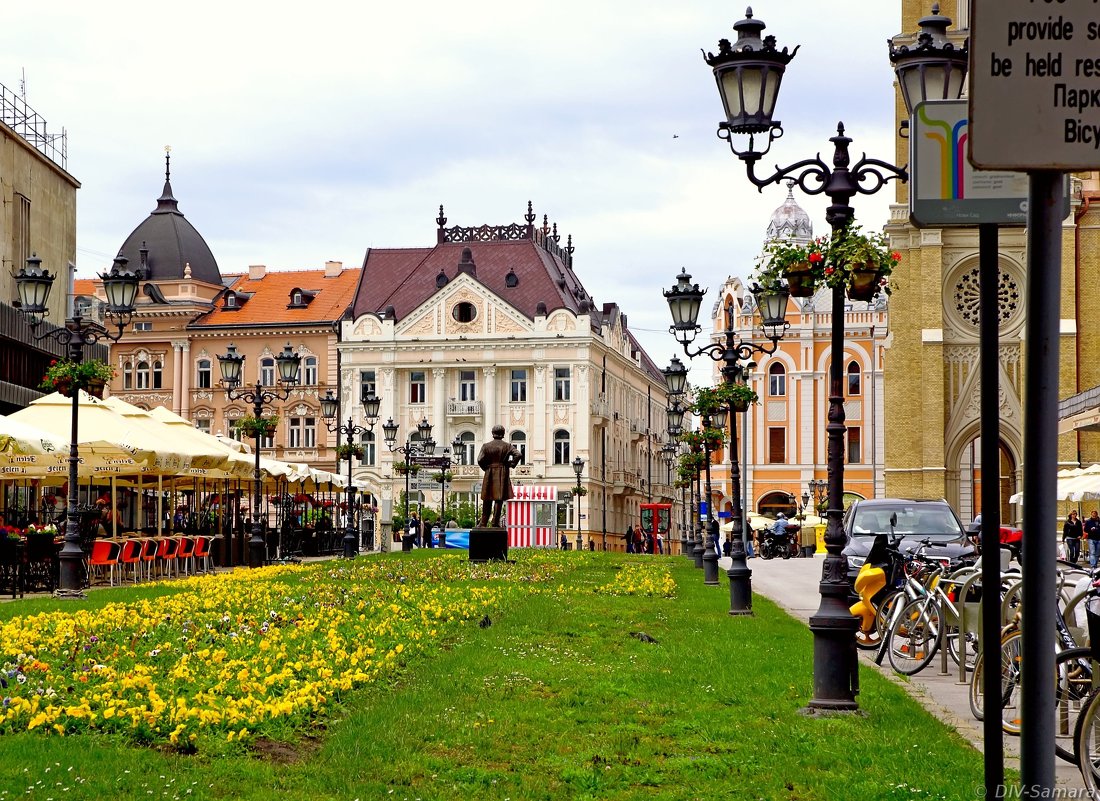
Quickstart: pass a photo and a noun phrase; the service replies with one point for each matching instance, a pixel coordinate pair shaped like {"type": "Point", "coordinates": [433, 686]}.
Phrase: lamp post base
{"type": "Point", "coordinates": [257, 548]}
{"type": "Point", "coordinates": [351, 542]}
{"type": "Point", "coordinates": [836, 667]}
{"type": "Point", "coordinates": [710, 557]}
{"type": "Point", "coordinates": [698, 551]}
{"type": "Point", "coordinates": [740, 576]}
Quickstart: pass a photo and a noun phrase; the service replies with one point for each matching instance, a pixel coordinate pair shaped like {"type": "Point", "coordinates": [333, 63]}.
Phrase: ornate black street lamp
{"type": "Point", "coordinates": [231, 364]}
{"type": "Point", "coordinates": [748, 73]}
{"type": "Point", "coordinates": [735, 354]}
{"type": "Point", "coordinates": [330, 408]}
{"type": "Point", "coordinates": [120, 285]}
{"type": "Point", "coordinates": [578, 468]}
{"type": "Point", "coordinates": [421, 453]}
{"type": "Point", "coordinates": [675, 414]}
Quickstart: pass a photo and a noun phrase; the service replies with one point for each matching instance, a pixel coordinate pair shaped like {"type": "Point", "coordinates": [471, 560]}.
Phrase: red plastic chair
{"type": "Point", "coordinates": [131, 556]}
{"type": "Point", "coordinates": [104, 555]}
{"type": "Point", "coordinates": [166, 554]}
{"type": "Point", "coordinates": [185, 553]}
{"type": "Point", "coordinates": [149, 548]}
{"type": "Point", "coordinates": [201, 554]}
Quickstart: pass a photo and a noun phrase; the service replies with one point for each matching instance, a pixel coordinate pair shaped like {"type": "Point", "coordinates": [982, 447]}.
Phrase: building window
{"type": "Point", "coordinates": [466, 452]}
{"type": "Point", "coordinates": [855, 451]}
{"type": "Point", "coordinates": [127, 375]}
{"type": "Point", "coordinates": [158, 375]}
{"type": "Point", "coordinates": [467, 385]}
{"type": "Point", "coordinates": [519, 440]}
{"type": "Point", "coordinates": [854, 379]}
{"type": "Point", "coordinates": [143, 375]}
{"type": "Point", "coordinates": [309, 364]}
{"type": "Point", "coordinates": [204, 376]}
{"type": "Point", "coordinates": [464, 312]}
{"type": "Point", "coordinates": [519, 386]}
{"type": "Point", "coordinates": [369, 452]}
{"type": "Point", "coordinates": [418, 390]}
{"type": "Point", "coordinates": [267, 371]}
{"type": "Point", "coordinates": [143, 326]}
{"type": "Point", "coordinates": [21, 230]}
{"type": "Point", "coordinates": [777, 380]}
{"type": "Point", "coordinates": [266, 442]}
{"type": "Point", "coordinates": [777, 446]}
{"type": "Point", "coordinates": [561, 447]}
{"type": "Point", "coordinates": [366, 383]}
{"type": "Point", "coordinates": [230, 301]}
{"type": "Point", "coordinates": [302, 432]}
{"type": "Point", "coordinates": [561, 383]}
{"type": "Point", "coordinates": [203, 425]}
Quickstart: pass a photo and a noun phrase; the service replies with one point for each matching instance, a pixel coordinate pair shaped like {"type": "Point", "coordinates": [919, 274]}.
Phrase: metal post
{"type": "Point", "coordinates": [739, 574]}
{"type": "Point", "coordinates": [71, 558]}
{"type": "Point", "coordinates": [256, 544]}
{"type": "Point", "coordinates": [710, 555]}
{"type": "Point", "coordinates": [1044, 269]}
{"type": "Point", "coordinates": [993, 752]}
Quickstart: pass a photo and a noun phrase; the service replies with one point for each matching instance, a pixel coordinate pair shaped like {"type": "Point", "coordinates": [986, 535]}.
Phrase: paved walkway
{"type": "Point", "coordinates": [793, 585]}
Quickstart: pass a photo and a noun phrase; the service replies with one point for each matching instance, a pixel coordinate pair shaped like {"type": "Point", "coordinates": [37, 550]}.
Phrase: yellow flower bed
{"type": "Point", "coordinates": [240, 654]}
{"type": "Point", "coordinates": [641, 579]}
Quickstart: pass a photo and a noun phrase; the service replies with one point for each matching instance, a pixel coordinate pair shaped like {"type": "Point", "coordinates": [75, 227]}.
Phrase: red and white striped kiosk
{"type": "Point", "coordinates": [531, 516]}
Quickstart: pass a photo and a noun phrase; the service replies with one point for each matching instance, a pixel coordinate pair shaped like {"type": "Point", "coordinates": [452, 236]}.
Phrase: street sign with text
{"type": "Point", "coordinates": [1035, 85]}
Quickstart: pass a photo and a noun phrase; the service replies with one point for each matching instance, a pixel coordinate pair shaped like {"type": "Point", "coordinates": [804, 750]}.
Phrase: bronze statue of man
{"type": "Point", "coordinates": [496, 458]}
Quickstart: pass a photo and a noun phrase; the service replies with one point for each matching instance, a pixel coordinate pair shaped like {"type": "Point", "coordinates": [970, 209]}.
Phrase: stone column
{"type": "Point", "coordinates": [185, 379]}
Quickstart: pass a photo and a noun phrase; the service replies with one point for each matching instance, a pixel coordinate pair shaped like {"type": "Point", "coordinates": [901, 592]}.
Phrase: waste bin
{"type": "Point", "coordinates": [406, 543]}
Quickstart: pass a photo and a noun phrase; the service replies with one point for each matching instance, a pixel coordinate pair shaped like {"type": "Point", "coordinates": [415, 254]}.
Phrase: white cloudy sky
{"type": "Point", "coordinates": [303, 133]}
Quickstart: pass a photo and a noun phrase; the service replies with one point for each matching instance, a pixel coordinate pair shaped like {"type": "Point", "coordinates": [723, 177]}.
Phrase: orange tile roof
{"type": "Point", "coordinates": [270, 296]}
{"type": "Point", "coordinates": [84, 286]}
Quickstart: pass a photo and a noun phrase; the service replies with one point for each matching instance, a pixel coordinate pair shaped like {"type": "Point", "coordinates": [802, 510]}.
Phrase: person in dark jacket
{"type": "Point", "coordinates": [1072, 531]}
{"type": "Point", "coordinates": [630, 538]}
{"type": "Point", "coordinates": [1092, 531]}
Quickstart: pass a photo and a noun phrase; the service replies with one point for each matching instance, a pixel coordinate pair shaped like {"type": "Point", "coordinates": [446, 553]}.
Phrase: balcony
{"type": "Point", "coordinates": [625, 482]}
{"type": "Point", "coordinates": [457, 408]}
{"type": "Point", "coordinates": [601, 410]}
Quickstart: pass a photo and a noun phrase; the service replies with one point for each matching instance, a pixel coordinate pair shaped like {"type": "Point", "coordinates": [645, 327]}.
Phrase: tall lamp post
{"type": "Point", "coordinates": [748, 74]}
{"type": "Point", "coordinates": [675, 414]}
{"type": "Point", "coordinates": [120, 285]}
{"type": "Point", "coordinates": [578, 468]}
{"type": "Point", "coordinates": [735, 354]}
{"type": "Point", "coordinates": [668, 453]}
{"type": "Point", "coordinates": [330, 408]}
{"type": "Point", "coordinates": [412, 451]}
{"type": "Point", "coordinates": [231, 365]}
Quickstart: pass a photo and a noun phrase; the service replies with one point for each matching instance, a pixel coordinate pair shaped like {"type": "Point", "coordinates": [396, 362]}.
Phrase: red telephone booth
{"type": "Point", "coordinates": [656, 521]}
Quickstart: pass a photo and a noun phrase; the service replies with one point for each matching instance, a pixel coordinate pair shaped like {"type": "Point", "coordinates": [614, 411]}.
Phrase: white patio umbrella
{"type": "Point", "coordinates": [29, 449]}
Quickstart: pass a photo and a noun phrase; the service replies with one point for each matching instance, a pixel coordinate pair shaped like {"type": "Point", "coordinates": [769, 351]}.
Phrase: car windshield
{"type": "Point", "coordinates": [931, 521]}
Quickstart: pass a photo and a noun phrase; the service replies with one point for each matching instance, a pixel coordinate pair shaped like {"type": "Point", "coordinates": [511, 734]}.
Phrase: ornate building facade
{"type": "Point", "coordinates": [931, 366]}
{"type": "Point", "coordinates": [492, 325]}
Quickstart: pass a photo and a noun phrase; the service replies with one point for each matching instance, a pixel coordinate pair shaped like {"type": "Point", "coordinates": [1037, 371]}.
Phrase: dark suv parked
{"type": "Point", "coordinates": [916, 521]}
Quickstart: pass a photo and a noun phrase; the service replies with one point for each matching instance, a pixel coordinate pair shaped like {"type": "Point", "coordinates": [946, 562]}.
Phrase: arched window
{"type": "Point", "coordinates": [309, 364]}
{"type": "Point", "coordinates": [158, 375]}
{"type": "Point", "coordinates": [369, 453]}
{"type": "Point", "coordinates": [143, 375]}
{"type": "Point", "coordinates": [519, 439]}
{"type": "Point", "coordinates": [267, 371]}
{"type": "Point", "coordinates": [127, 375]}
{"type": "Point", "coordinates": [855, 378]}
{"type": "Point", "coordinates": [561, 447]}
{"type": "Point", "coordinates": [203, 374]}
{"type": "Point", "coordinates": [466, 452]}
{"type": "Point", "coordinates": [777, 380]}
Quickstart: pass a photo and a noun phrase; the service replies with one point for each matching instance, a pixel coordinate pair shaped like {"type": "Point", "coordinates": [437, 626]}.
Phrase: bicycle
{"type": "Point", "coordinates": [917, 628]}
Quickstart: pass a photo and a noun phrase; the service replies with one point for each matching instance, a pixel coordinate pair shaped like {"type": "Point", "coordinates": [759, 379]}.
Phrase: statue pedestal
{"type": "Point", "coordinates": [488, 544]}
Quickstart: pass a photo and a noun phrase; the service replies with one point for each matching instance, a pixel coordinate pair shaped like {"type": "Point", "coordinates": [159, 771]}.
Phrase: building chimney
{"type": "Point", "coordinates": [256, 272]}
{"type": "Point", "coordinates": [466, 263]}
{"type": "Point", "coordinates": [333, 269]}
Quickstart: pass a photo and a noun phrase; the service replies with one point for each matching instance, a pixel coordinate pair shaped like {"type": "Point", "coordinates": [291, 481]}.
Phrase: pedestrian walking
{"type": "Point", "coordinates": [1092, 531]}
{"type": "Point", "coordinates": [629, 538]}
{"type": "Point", "coordinates": [1072, 531]}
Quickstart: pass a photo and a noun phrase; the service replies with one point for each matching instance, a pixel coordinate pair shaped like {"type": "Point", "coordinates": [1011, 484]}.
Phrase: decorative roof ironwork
{"type": "Point", "coordinates": [546, 237]}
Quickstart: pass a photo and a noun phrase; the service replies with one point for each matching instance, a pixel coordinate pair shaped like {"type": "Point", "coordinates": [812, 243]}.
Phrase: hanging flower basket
{"type": "Point", "coordinates": [258, 426]}
{"type": "Point", "coordinates": [401, 468]}
{"type": "Point", "coordinates": [864, 283]}
{"type": "Point", "coordinates": [66, 376]}
{"type": "Point", "coordinates": [800, 265]}
{"type": "Point", "coordinates": [347, 452]}
{"type": "Point", "coordinates": [441, 476]}
{"type": "Point", "coordinates": [861, 263]}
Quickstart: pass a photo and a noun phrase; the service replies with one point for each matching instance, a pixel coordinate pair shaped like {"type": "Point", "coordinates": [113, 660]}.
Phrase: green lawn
{"type": "Point", "coordinates": [554, 700]}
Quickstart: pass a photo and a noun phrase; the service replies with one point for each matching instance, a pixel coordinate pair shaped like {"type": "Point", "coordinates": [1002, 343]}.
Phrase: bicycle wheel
{"type": "Point", "coordinates": [970, 646]}
{"type": "Point", "coordinates": [914, 637]}
{"type": "Point", "coordinates": [1011, 659]}
{"type": "Point", "coordinates": [1074, 670]}
{"type": "Point", "coordinates": [976, 696]}
{"type": "Point", "coordinates": [1086, 741]}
